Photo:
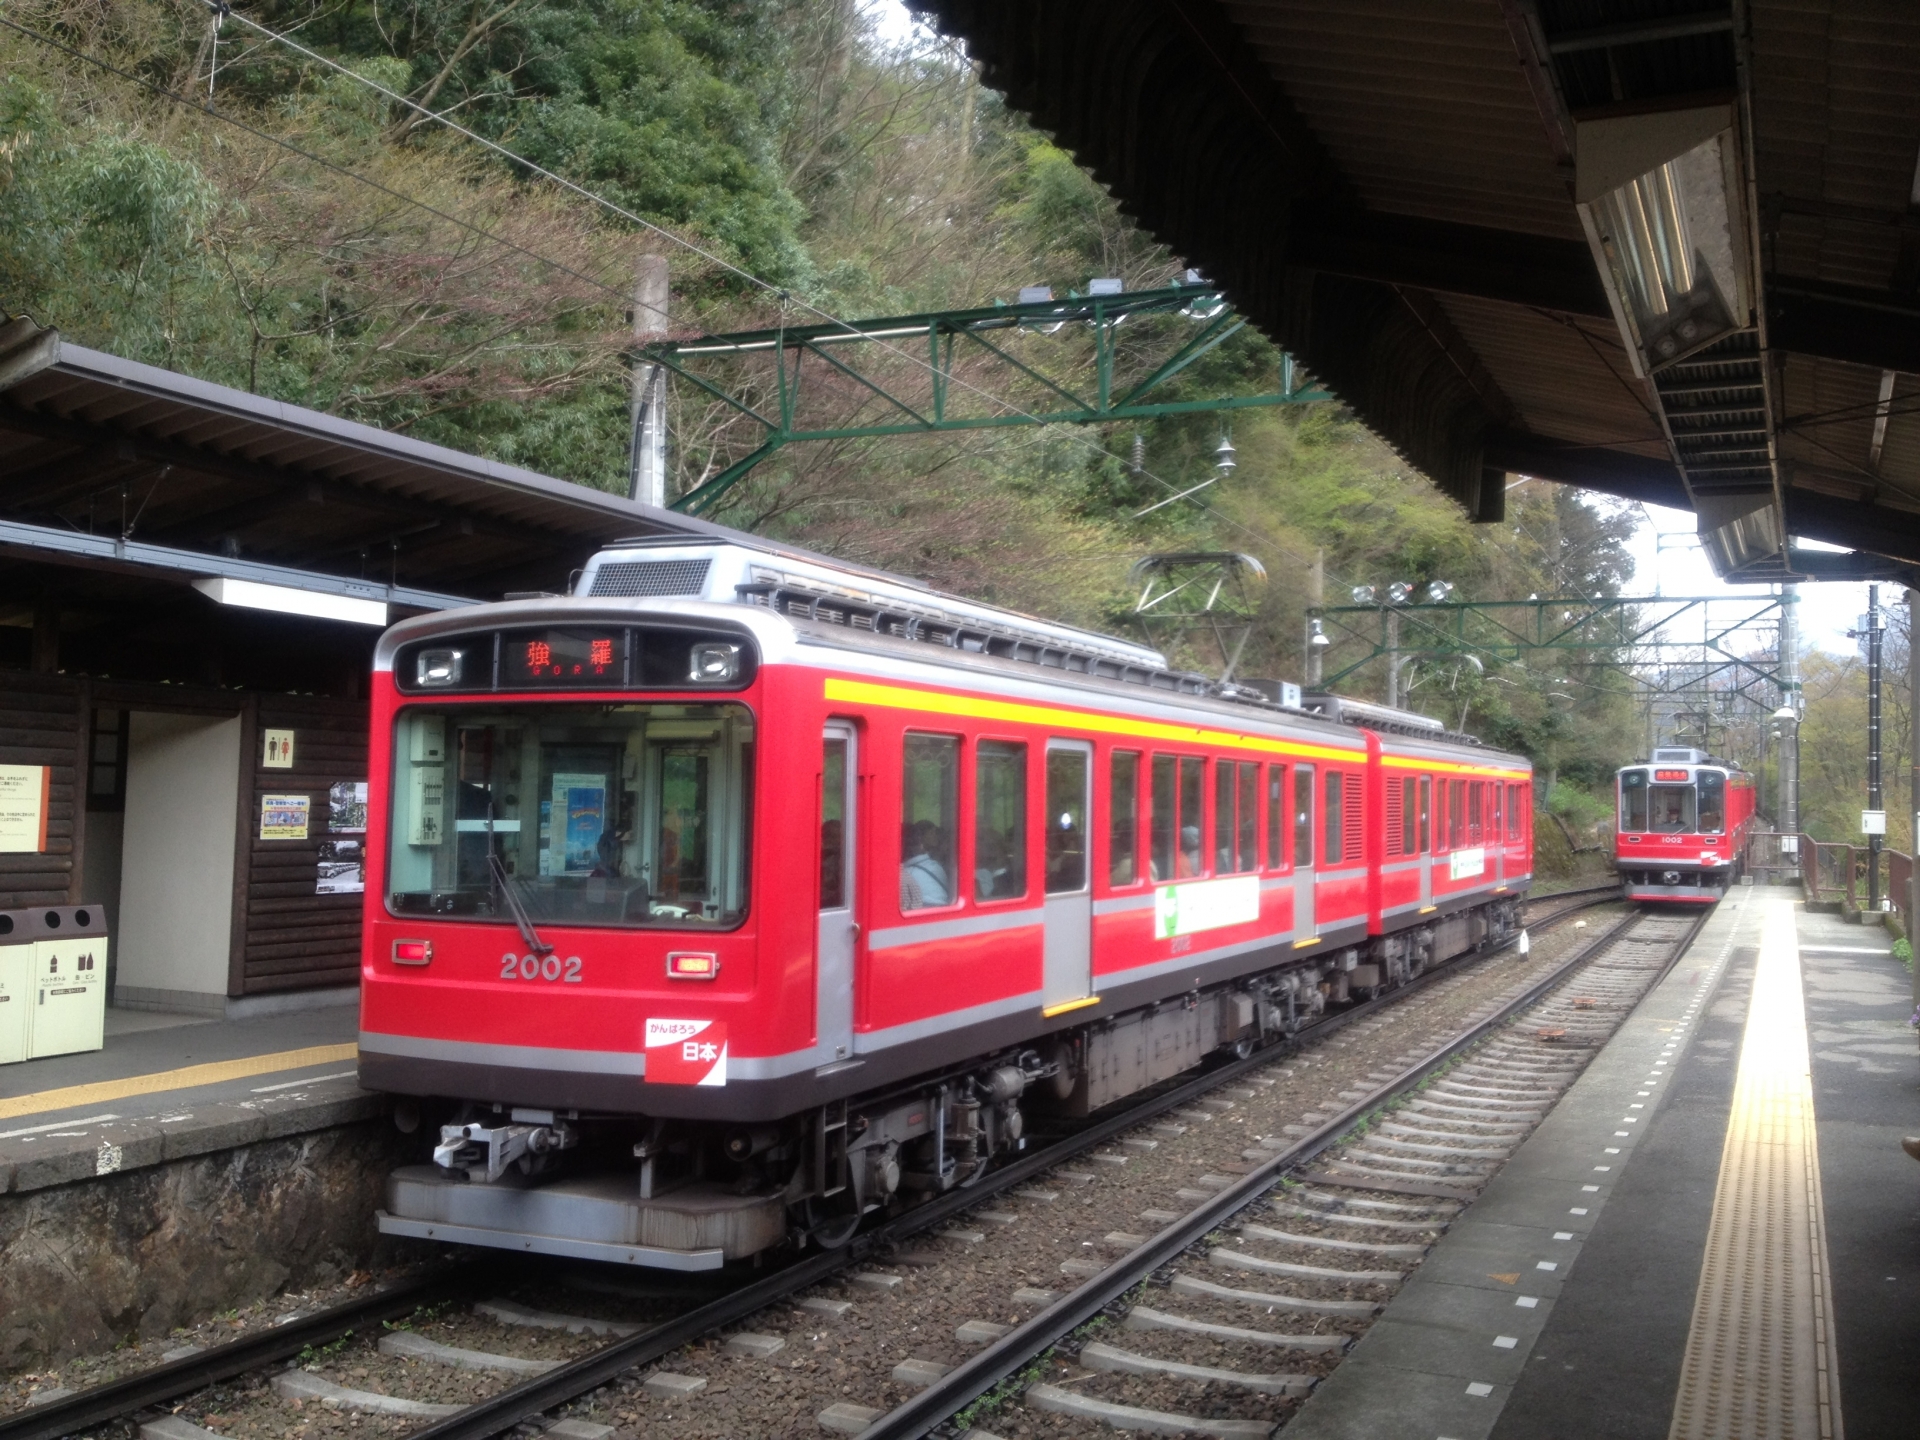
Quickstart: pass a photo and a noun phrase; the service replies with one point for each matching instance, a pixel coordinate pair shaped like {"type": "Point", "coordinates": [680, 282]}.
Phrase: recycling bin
{"type": "Point", "coordinates": [69, 970]}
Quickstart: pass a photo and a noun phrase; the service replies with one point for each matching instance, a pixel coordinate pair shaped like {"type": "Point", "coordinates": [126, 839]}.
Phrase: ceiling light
{"type": "Point", "coordinates": [1659, 195]}
{"type": "Point", "coordinates": [316, 605]}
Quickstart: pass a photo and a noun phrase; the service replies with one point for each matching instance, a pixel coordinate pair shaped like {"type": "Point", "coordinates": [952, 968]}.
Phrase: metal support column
{"type": "Point", "coordinates": [1875, 801]}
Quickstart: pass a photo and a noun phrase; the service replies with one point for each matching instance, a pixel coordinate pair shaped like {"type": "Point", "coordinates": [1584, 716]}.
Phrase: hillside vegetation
{"type": "Point", "coordinates": [386, 270]}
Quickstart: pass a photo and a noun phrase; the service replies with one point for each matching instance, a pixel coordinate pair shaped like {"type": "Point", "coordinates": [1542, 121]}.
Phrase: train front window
{"type": "Point", "coordinates": [1713, 802]}
{"type": "Point", "coordinates": [1670, 809]}
{"type": "Point", "coordinates": [624, 815]}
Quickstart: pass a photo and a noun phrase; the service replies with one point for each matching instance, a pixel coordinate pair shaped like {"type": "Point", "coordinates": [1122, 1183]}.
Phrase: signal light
{"type": "Point", "coordinates": [412, 952]}
{"type": "Point", "coordinates": [692, 965]}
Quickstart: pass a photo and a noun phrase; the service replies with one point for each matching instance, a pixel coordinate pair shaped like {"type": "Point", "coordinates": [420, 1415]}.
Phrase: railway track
{"type": "Point", "coordinates": [540, 1358]}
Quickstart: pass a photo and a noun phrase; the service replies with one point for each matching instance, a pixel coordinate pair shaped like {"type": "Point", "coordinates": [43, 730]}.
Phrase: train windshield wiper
{"type": "Point", "coordinates": [511, 893]}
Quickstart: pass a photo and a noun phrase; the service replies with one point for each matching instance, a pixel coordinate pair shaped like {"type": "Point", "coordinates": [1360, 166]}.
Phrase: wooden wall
{"type": "Point", "coordinates": [286, 937]}
{"type": "Point", "coordinates": [42, 722]}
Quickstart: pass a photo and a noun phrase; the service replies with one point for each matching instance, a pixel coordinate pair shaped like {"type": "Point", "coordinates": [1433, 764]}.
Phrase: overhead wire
{"type": "Point", "coordinates": [785, 296]}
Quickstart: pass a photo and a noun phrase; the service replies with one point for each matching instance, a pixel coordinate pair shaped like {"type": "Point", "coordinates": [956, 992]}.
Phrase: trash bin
{"type": "Point", "coordinates": [16, 984]}
{"type": "Point", "coordinates": [69, 980]}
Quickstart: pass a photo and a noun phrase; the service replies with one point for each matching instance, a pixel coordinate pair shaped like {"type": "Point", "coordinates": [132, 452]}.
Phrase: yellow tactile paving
{"type": "Point", "coordinates": [185, 1078]}
{"type": "Point", "coordinates": [1760, 1355]}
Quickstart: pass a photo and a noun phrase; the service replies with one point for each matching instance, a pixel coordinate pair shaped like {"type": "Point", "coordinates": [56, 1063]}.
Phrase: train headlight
{"type": "Point", "coordinates": [715, 664]}
{"type": "Point", "coordinates": [438, 669]}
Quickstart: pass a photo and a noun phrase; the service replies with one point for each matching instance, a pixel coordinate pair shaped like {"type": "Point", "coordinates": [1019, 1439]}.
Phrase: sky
{"type": "Point", "coordinates": [1666, 553]}
{"type": "Point", "coordinates": [1668, 560]}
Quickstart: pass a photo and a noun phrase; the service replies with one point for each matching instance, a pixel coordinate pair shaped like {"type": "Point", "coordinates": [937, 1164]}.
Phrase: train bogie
{"type": "Point", "coordinates": [718, 919]}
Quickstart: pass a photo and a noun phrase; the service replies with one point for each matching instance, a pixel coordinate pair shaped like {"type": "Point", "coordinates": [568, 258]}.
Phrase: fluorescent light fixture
{"type": "Point", "coordinates": [1659, 195]}
{"type": "Point", "coordinates": [314, 604]}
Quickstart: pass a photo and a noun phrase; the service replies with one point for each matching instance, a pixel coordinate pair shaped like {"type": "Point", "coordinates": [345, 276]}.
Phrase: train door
{"type": "Point", "coordinates": [839, 932]}
{"type": "Point", "coordinates": [1425, 842]}
{"type": "Point", "coordinates": [1305, 921]}
{"type": "Point", "coordinates": [1069, 904]}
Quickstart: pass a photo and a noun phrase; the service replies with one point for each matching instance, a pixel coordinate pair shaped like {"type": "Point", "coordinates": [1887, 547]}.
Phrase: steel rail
{"type": "Point", "coordinates": [502, 1412]}
{"type": "Point", "coordinates": [1008, 1355]}
{"type": "Point", "coordinates": [166, 1382]}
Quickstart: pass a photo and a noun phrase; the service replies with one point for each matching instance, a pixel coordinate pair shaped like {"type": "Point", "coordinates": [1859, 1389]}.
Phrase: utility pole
{"type": "Point", "coordinates": [1393, 658]}
{"type": "Point", "coordinates": [1913, 730]}
{"type": "Point", "coordinates": [1316, 597]}
{"type": "Point", "coordinates": [1789, 820]}
{"type": "Point", "coordinates": [1875, 802]}
{"type": "Point", "coordinates": [647, 446]}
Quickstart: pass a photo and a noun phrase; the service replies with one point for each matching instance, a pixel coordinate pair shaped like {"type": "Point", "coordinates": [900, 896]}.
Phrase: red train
{"type": "Point", "coordinates": [740, 894]}
{"type": "Point", "coordinates": [1684, 819]}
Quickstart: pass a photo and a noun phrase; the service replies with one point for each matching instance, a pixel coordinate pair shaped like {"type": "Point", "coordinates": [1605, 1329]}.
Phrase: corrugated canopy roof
{"type": "Point", "coordinates": [1388, 188]}
{"type": "Point", "coordinates": [92, 444]}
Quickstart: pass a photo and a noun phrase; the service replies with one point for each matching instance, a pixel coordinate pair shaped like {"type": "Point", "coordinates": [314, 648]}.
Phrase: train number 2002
{"type": "Point", "coordinates": [539, 967]}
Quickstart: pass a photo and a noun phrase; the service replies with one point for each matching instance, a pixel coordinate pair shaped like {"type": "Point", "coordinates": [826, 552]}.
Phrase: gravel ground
{"type": "Point", "coordinates": [1081, 1212]}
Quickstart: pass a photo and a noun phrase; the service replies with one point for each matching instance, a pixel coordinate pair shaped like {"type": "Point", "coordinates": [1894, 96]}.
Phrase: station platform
{"type": "Point", "coordinates": [167, 1087]}
{"type": "Point", "coordinates": [1715, 1234]}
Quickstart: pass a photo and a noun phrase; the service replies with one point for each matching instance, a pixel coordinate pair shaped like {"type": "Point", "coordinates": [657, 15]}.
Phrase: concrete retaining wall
{"type": "Point", "coordinates": [163, 1240]}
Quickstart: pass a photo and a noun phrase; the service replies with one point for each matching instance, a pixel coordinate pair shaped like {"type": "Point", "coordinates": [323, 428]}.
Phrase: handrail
{"type": "Point", "coordinates": [1829, 872]}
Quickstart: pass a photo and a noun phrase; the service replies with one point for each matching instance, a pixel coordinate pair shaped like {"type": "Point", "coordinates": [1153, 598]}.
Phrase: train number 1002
{"type": "Point", "coordinates": [539, 967]}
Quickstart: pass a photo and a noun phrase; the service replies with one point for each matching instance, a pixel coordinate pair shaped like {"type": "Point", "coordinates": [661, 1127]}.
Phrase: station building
{"type": "Point", "coordinates": [194, 579]}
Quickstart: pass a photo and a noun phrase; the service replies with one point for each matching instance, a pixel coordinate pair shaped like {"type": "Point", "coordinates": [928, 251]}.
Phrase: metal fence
{"type": "Point", "coordinates": [1830, 874]}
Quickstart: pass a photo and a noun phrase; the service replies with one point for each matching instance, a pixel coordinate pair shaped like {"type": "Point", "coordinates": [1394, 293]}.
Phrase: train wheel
{"type": "Point", "coordinates": [829, 1228]}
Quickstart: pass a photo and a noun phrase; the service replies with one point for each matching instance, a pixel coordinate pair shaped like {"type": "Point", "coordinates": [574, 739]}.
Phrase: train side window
{"type": "Point", "coordinates": [1494, 831]}
{"type": "Point", "coordinates": [1249, 807]}
{"type": "Point", "coordinates": [833, 826]}
{"type": "Point", "coordinates": [1426, 814]}
{"type": "Point", "coordinates": [1066, 821]}
{"type": "Point", "coordinates": [1191, 860]}
{"type": "Point", "coordinates": [1713, 802]}
{"type": "Point", "coordinates": [1163, 821]}
{"type": "Point", "coordinates": [1223, 829]}
{"type": "Point", "coordinates": [1276, 817]}
{"type": "Point", "coordinates": [1123, 818]}
{"type": "Point", "coordinates": [929, 801]}
{"type": "Point", "coordinates": [1456, 814]}
{"type": "Point", "coordinates": [1303, 818]}
{"type": "Point", "coordinates": [1475, 809]}
{"type": "Point", "coordinates": [1334, 817]}
{"type": "Point", "coordinates": [1409, 817]}
{"type": "Point", "coordinates": [1633, 801]}
{"type": "Point", "coordinates": [999, 820]}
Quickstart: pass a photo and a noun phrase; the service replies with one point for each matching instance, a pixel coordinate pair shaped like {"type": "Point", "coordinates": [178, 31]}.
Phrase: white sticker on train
{"type": "Point", "coordinates": [1469, 863]}
{"type": "Point", "coordinates": [1205, 905]}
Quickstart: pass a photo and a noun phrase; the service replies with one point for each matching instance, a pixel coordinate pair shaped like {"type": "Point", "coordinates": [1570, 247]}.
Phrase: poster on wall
{"type": "Point", "coordinates": [579, 819]}
{"type": "Point", "coordinates": [284, 817]}
{"type": "Point", "coordinates": [342, 868]}
{"type": "Point", "coordinates": [23, 808]}
{"type": "Point", "coordinates": [276, 749]}
{"type": "Point", "coordinates": [347, 807]}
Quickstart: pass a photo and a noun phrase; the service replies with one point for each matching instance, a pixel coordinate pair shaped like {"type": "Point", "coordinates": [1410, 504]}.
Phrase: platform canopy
{"type": "Point", "coordinates": [1665, 249]}
{"type": "Point", "coordinates": [114, 466]}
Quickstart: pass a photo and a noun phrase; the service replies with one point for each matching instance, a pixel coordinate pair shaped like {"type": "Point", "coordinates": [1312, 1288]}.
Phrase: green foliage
{"type": "Point", "coordinates": [780, 136]}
